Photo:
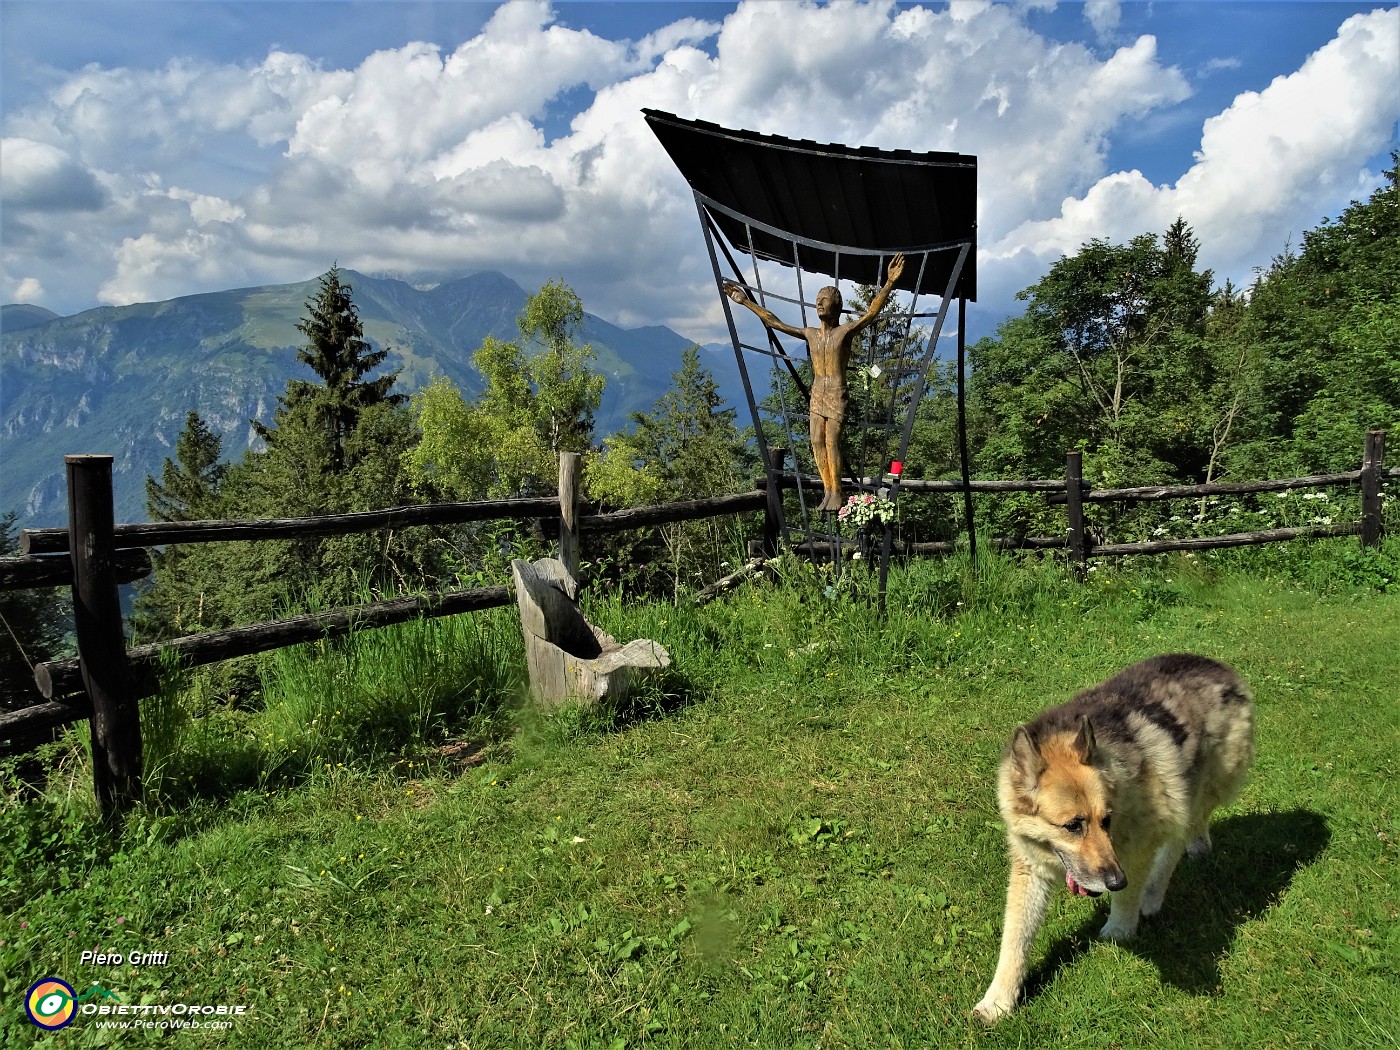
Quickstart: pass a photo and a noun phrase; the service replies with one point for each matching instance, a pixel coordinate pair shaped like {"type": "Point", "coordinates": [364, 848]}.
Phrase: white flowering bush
{"type": "Point", "coordinates": [863, 509]}
{"type": "Point", "coordinates": [1288, 509]}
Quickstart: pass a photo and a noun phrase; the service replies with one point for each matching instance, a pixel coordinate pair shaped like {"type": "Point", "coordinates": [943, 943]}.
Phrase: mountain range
{"type": "Point", "coordinates": [120, 380]}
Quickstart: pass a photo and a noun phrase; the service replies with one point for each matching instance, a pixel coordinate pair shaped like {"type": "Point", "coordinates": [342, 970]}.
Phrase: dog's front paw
{"type": "Point", "coordinates": [991, 1010]}
{"type": "Point", "coordinates": [1117, 930]}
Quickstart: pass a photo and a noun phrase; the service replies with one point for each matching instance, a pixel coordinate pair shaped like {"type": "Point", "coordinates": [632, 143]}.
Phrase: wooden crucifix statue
{"type": "Point", "coordinates": [829, 348]}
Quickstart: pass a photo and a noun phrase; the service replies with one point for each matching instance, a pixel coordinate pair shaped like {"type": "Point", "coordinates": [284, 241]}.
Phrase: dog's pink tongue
{"type": "Point", "coordinates": [1074, 887]}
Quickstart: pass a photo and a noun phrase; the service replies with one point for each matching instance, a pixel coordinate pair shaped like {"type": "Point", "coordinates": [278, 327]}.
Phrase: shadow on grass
{"type": "Point", "coordinates": [1255, 858]}
{"type": "Point", "coordinates": [657, 698]}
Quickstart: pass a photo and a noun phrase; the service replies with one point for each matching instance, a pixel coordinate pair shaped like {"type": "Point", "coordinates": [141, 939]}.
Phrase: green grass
{"type": "Point", "coordinates": [792, 842]}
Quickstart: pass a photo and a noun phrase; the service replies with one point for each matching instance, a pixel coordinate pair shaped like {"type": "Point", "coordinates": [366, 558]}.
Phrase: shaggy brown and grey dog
{"type": "Point", "coordinates": [1107, 791]}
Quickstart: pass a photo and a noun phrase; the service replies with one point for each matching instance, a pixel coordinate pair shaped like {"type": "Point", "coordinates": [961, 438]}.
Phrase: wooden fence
{"type": "Point", "coordinates": [93, 556]}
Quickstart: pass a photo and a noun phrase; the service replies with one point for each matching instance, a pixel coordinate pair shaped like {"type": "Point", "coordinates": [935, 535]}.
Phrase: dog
{"type": "Point", "coordinates": [1108, 790]}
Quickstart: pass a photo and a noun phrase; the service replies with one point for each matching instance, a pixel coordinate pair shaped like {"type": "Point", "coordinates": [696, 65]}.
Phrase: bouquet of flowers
{"type": "Point", "coordinates": [863, 509]}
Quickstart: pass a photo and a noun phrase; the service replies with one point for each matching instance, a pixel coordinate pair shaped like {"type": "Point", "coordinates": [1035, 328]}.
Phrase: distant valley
{"type": "Point", "coordinates": [120, 380]}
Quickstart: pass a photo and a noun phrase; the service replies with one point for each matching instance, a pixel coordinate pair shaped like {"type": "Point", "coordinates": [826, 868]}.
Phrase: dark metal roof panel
{"type": "Point", "coordinates": [837, 202]}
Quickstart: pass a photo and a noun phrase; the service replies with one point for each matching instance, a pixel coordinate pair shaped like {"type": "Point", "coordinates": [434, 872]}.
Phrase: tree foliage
{"type": "Point", "coordinates": [1326, 325]}
{"type": "Point", "coordinates": [334, 446]}
{"type": "Point", "coordinates": [540, 399]}
{"type": "Point", "coordinates": [687, 447]}
{"type": "Point", "coordinates": [341, 358]}
{"type": "Point", "coordinates": [1127, 353]}
{"type": "Point", "coordinates": [33, 625]}
{"type": "Point", "coordinates": [190, 489]}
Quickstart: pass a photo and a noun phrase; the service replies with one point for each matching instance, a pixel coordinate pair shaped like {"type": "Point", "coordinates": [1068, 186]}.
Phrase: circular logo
{"type": "Point", "coordinates": [49, 1004]}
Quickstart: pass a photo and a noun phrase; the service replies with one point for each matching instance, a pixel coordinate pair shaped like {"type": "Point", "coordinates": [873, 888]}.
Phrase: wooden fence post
{"type": "Point", "coordinates": [1371, 488]}
{"type": "Point", "coordinates": [570, 466]}
{"type": "Point", "coordinates": [1076, 539]}
{"type": "Point", "coordinates": [97, 620]}
{"type": "Point", "coordinates": [773, 509]}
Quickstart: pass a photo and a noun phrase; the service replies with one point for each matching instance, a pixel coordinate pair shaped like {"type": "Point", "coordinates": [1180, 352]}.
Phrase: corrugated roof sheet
{"type": "Point", "coordinates": [833, 201]}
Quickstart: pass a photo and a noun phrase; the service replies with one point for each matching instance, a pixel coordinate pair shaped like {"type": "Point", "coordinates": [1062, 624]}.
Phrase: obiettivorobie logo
{"type": "Point", "coordinates": [52, 1004]}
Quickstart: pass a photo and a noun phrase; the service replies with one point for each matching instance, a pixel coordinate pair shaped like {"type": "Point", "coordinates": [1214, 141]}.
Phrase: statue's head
{"type": "Point", "coordinates": [829, 303]}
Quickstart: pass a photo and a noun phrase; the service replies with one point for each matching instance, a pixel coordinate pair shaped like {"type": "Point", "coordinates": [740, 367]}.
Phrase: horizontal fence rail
{"type": "Point", "coordinates": [1147, 493]}
{"type": "Point", "coordinates": [161, 533]}
{"type": "Point", "coordinates": [56, 570]}
{"type": "Point", "coordinates": [1236, 539]}
{"type": "Point", "coordinates": [58, 677]}
{"type": "Point", "coordinates": [106, 673]}
{"type": "Point", "coordinates": [791, 481]}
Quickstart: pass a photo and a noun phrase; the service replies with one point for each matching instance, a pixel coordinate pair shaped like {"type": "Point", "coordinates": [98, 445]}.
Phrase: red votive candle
{"type": "Point", "coordinates": [896, 468]}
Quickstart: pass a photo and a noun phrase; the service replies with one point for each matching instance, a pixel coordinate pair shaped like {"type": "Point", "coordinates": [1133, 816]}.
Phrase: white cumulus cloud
{"type": "Point", "coordinates": [41, 177]}
{"type": "Point", "coordinates": [28, 290]}
{"type": "Point", "coordinates": [1261, 165]}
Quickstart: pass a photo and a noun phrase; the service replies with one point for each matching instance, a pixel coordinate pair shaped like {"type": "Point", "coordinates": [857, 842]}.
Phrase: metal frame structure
{"type": "Point", "coordinates": [942, 266]}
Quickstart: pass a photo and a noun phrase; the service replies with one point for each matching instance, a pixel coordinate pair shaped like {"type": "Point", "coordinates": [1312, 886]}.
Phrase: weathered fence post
{"type": "Point", "coordinates": [97, 620]}
{"type": "Point", "coordinates": [773, 509]}
{"type": "Point", "coordinates": [569, 472]}
{"type": "Point", "coordinates": [1076, 540]}
{"type": "Point", "coordinates": [1371, 488]}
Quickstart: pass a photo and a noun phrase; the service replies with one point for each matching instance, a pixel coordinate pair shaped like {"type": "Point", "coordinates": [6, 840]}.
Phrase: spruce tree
{"type": "Point", "coordinates": [334, 447]}
{"type": "Point", "coordinates": [342, 358]}
{"type": "Point", "coordinates": [189, 484]}
{"type": "Point", "coordinates": [187, 576]}
{"type": "Point", "coordinates": [686, 447]}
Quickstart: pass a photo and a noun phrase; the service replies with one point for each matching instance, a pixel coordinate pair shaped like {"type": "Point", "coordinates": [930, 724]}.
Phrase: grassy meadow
{"type": "Point", "coordinates": [790, 841]}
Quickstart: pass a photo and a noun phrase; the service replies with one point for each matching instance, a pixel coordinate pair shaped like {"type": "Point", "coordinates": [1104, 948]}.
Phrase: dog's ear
{"type": "Point", "coordinates": [1026, 758]}
{"type": "Point", "coordinates": [1084, 746]}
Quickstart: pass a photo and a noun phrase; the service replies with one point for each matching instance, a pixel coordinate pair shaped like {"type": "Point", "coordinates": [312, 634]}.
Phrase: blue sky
{"type": "Point", "coordinates": [158, 149]}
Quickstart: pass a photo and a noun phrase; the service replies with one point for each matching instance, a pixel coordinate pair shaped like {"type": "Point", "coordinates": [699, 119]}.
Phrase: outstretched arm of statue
{"type": "Point", "coordinates": [740, 296]}
{"type": "Point", "coordinates": [892, 274]}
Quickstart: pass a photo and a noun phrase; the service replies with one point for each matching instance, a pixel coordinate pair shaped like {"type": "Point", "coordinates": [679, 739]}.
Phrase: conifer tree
{"type": "Point", "coordinates": [189, 484]}
{"type": "Point", "coordinates": [339, 354]}
{"type": "Point", "coordinates": [334, 447]}
{"type": "Point", "coordinates": [189, 489]}
{"type": "Point", "coordinates": [686, 447]}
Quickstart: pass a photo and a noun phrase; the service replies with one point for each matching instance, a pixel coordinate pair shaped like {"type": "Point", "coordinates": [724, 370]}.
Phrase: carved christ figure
{"type": "Point", "coordinates": [829, 349]}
